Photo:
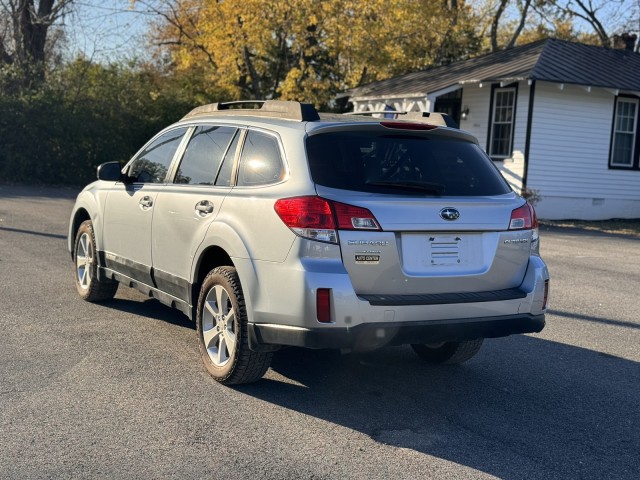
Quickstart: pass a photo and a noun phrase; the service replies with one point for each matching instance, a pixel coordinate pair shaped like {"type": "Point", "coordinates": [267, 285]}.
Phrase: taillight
{"type": "Point", "coordinates": [354, 218]}
{"type": "Point", "coordinates": [323, 305]}
{"type": "Point", "coordinates": [309, 217]}
{"type": "Point", "coordinates": [545, 299]}
{"type": "Point", "coordinates": [523, 218]}
{"type": "Point", "coordinates": [317, 218]}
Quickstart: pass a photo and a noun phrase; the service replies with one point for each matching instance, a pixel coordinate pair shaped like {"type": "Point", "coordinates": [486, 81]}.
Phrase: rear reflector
{"type": "Point", "coordinates": [323, 305]}
{"type": "Point", "coordinates": [546, 294]}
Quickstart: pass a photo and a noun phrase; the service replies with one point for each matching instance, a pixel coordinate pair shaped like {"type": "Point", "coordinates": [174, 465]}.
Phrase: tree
{"type": "Point", "coordinates": [590, 12]}
{"type": "Point", "coordinates": [24, 28]}
{"type": "Point", "coordinates": [83, 115]}
{"type": "Point", "coordinates": [305, 49]}
{"type": "Point", "coordinates": [508, 22]}
{"type": "Point", "coordinates": [500, 10]}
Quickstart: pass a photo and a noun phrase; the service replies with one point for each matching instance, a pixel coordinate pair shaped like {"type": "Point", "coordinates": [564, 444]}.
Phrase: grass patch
{"type": "Point", "coordinates": [616, 226]}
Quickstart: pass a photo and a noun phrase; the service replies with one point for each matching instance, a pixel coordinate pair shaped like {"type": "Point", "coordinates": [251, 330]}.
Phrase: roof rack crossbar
{"type": "Point", "coordinates": [377, 112]}
{"type": "Point", "coordinates": [288, 110]}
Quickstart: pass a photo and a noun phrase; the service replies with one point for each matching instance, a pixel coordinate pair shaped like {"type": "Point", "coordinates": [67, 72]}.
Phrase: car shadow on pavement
{"type": "Point", "coordinates": [525, 407]}
{"type": "Point", "coordinates": [33, 232]}
{"type": "Point", "coordinates": [591, 318]}
{"type": "Point", "coordinates": [150, 308]}
{"type": "Point", "coordinates": [44, 192]}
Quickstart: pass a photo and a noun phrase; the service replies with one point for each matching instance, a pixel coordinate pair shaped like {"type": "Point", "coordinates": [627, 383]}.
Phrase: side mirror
{"type": "Point", "coordinates": [110, 172]}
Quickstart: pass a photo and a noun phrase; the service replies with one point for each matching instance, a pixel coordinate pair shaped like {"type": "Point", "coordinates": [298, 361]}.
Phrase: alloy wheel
{"type": "Point", "coordinates": [218, 326]}
{"type": "Point", "coordinates": [84, 261]}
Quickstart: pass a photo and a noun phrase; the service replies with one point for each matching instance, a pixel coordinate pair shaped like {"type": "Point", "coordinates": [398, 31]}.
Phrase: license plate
{"type": "Point", "coordinates": [445, 250]}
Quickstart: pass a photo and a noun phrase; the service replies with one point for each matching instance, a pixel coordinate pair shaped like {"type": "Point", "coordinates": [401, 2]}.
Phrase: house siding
{"type": "Point", "coordinates": [478, 100]}
{"type": "Point", "coordinates": [569, 156]}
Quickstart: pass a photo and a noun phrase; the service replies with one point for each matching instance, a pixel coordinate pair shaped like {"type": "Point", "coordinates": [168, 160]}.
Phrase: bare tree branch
{"type": "Point", "coordinates": [590, 15]}
{"type": "Point", "coordinates": [173, 19]}
{"type": "Point", "coordinates": [595, 13]}
{"type": "Point", "coordinates": [523, 21]}
{"type": "Point", "coordinates": [496, 23]}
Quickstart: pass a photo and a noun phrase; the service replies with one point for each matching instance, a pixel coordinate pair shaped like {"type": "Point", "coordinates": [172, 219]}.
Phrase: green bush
{"type": "Point", "coordinates": [83, 115]}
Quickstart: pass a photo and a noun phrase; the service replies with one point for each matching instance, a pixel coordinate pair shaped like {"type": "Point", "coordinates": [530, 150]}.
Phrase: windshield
{"type": "Point", "coordinates": [402, 164]}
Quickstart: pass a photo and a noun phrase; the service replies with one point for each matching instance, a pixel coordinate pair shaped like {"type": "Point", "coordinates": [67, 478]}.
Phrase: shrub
{"type": "Point", "coordinates": [83, 115]}
{"type": "Point", "coordinates": [532, 196]}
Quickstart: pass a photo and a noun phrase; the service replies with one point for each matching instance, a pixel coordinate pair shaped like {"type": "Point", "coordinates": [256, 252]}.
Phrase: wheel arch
{"type": "Point", "coordinates": [87, 207]}
{"type": "Point", "coordinates": [79, 216]}
{"type": "Point", "coordinates": [223, 247]}
{"type": "Point", "coordinates": [212, 257]}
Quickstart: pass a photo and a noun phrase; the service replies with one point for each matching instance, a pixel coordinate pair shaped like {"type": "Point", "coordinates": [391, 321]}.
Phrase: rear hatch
{"type": "Point", "coordinates": [442, 219]}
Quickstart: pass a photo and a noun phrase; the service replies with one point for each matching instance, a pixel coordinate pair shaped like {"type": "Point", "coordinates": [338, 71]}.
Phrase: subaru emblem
{"type": "Point", "coordinates": [449, 214]}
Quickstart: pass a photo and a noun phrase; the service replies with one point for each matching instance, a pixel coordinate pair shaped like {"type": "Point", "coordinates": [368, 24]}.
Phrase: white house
{"type": "Point", "coordinates": [557, 117]}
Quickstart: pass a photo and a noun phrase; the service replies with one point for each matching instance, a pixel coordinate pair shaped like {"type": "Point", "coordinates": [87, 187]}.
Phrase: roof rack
{"type": "Point", "coordinates": [432, 118]}
{"type": "Point", "coordinates": [377, 112]}
{"type": "Point", "coordinates": [288, 110]}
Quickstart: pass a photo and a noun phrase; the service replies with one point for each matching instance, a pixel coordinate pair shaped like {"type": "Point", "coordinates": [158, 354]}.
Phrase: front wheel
{"type": "Point", "coordinates": [221, 325]}
{"type": "Point", "coordinates": [448, 353]}
{"type": "Point", "coordinates": [89, 286]}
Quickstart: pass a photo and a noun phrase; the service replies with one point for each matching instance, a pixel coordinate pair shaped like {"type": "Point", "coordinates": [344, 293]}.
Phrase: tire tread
{"type": "Point", "coordinates": [249, 366]}
{"type": "Point", "coordinates": [451, 353]}
{"type": "Point", "coordinates": [99, 290]}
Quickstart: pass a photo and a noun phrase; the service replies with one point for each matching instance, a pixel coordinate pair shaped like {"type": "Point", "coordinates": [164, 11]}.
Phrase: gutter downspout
{"type": "Point", "coordinates": [527, 142]}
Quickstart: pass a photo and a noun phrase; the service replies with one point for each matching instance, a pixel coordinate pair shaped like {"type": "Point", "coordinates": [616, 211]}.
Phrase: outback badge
{"type": "Point", "coordinates": [449, 214]}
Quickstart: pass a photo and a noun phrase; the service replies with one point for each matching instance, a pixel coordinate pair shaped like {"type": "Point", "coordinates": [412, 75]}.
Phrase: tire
{"type": "Point", "coordinates": [221, 326]}
{"type": "Point", "coordinates": [89, 287]}
{"type": "Point", "coordinates": [448, 353]}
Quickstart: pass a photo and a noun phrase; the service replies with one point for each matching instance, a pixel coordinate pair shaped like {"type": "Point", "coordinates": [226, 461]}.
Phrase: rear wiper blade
{"type": "Point", "coordinates": [436, 188]}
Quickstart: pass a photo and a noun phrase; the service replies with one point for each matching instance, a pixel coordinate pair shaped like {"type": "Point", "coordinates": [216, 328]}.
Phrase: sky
{"type": "Point", "coordinates": [114, 30]}
{"type": "Point", "coordinates": [106, 30]}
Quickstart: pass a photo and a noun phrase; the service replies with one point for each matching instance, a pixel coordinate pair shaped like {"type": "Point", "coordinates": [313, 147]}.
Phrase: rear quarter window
{"type": "Point", "coordinates": [402, 164]}
{"type": "Point", "coordinates": [260, 161]}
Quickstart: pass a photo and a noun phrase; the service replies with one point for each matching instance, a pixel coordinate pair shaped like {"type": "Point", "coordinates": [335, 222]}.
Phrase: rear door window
{"type": "Point", "coordinates": [402, 164]}
{"type": "Point", "coordinates": [203, 155]}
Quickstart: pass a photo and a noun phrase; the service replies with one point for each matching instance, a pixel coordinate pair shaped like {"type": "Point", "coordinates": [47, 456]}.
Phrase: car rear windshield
{"type": "Point", "coordinates": [402, 164]}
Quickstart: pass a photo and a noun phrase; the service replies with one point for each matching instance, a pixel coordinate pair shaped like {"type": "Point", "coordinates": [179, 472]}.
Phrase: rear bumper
{"type": "Point", "coordinates": [283, 311]}
{"type": "Point", "coordinates": [369, 336]}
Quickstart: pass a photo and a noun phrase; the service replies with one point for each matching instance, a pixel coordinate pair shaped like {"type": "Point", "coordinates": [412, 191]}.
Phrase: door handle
{"type": "Point", "coordinates": [146, 202]}
{"type": "Point", "coordinates": [204, 208]}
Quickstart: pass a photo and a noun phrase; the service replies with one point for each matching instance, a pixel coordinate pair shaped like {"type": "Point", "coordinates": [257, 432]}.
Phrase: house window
{"type": "Point", "coordinates": [623, 141]}
{"type": "Point", "coordinates": [503, 108]}
{"type": "Point", "coordinates": [451, 104]}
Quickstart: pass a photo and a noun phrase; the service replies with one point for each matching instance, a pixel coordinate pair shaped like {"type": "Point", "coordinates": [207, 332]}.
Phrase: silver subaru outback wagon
{"type": "Point", "coordinates": [271, 225]}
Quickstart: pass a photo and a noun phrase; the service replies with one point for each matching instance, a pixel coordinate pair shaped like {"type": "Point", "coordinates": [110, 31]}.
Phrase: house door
{"type": "Point", "coordinates": [451, 104]}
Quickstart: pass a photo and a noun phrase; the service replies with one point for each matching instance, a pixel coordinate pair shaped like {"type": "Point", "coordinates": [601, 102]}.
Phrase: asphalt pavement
{"type": "Point", "coordinates": [117, 390]}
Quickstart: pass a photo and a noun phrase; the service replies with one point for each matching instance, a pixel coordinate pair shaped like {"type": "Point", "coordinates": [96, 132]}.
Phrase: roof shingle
{"type": "Point", "coordinates": [549, 60]}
